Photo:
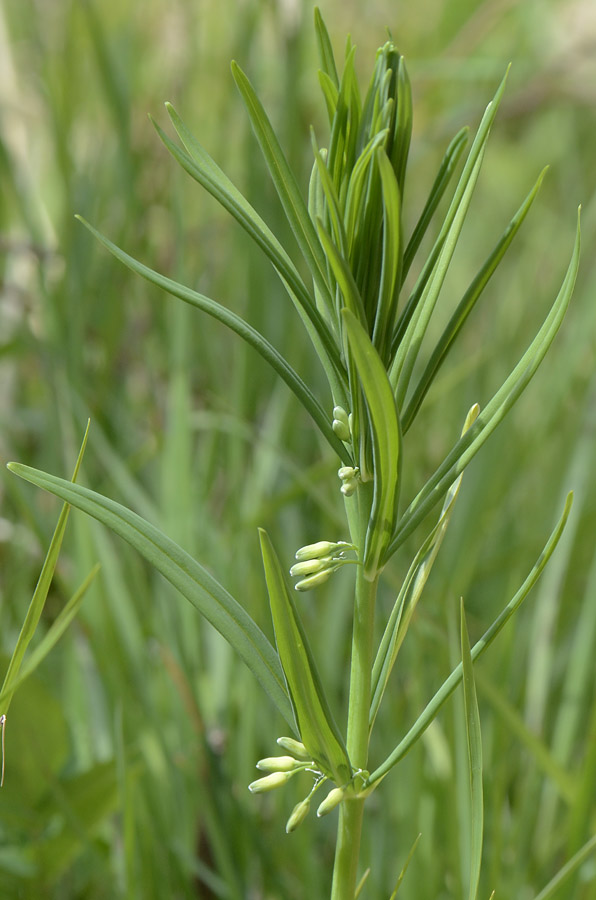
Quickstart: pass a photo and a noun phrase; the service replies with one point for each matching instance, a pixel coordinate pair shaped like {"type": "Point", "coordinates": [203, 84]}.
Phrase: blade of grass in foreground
{"type": "Point", "coordinates": [241, 328]}
{"type": "Point", "coordinates": [40, 594]}
{"type": "Point", "coordinates": [186, 574]}
{"type": "Point", "coordinates": [474, 741]}
{"type": "Point", "coordinates": [568, 870]}
{"type": "Point", "coordinates": [450, 684]}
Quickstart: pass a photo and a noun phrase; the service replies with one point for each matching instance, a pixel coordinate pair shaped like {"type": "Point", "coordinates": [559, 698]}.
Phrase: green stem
{"type": "Point", "coordinates": [347, 849]}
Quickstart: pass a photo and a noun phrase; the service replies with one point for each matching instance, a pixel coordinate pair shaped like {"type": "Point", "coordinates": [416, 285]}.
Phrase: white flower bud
{"type": "Point", "coordinates": [311, 566]}
{"type": "Point", "coordinates": [269, 782]}
{"type": "Point", "coordinates": [315, 551]}
{"type": "Point", "coordinates": [298, 815]}
{"type": "Point", "coordinates": [333, 799]}
{"type": "Point", "coordinates": [277, 764]}
{"type": "Point", "coordinates": [313, 580]}
{"type": "Point", "coordinates": [296, 748]}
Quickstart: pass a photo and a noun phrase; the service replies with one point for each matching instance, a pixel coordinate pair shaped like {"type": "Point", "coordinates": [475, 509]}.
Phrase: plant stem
{"type": "Point", "coordinates": [351, 810]}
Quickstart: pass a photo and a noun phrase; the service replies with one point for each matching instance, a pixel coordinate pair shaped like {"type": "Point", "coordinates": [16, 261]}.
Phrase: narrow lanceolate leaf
{"type": "Point", "coordinates": [186, 574]}
{"type": "Point", "coordinates": [318, 731]}
{"type": "Point", "coordinates": [451, 683]}
{"type": "Point", "coordinates": [392, 251]}
{"type": "Point", "coordinates": [241, 328]}
{"type": "Point", "coordinates": [415, 316]}
{"type": "Point", "coordinates": [200, 166]}
{"type": "Point", "coordinates": [403, 125]}
{"type": "Point", "coordinates": [386, 441]}
{"type": "Point", "coordinates": [474, 742]}
{"type": "Point", "coordinates": [411, 591]}
{"type": "Point", "coordinates": [466, 306]}
{"type": "Point", "coordinates": [285, 184]}
{"type": "Point", "coordinates": [326, 55]}
{"type": "Point", "coordinates": [495, 411]}
{"type": "Point", "coordinates": [39, 595]}
{"type": "Point", "coordinates": [446, 169]}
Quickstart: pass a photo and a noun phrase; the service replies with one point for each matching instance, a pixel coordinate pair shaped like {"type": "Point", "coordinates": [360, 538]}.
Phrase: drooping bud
{"type": "Point", "coordinates": [269, 782]}
{"type": "Point", "coordinates": [341, 424]}
{"type": "Point", "coordinates": [277, 764]}
{"type": "Point", "coordinates": [313, 580]}
{"type": "Point", "coordinates": [333, 799]}
{"type": "Point", "coordinates": [296, 748]}
{"type": "Point", "coordinates": [298, 815]}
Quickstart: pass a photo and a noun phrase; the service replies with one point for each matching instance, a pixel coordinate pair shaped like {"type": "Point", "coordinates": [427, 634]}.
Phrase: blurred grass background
{"type": "Point", "coordinates": [129, 753]}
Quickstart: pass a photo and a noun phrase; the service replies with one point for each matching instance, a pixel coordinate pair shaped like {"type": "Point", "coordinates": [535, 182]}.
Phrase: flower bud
{"type": "Point", "coordinates": [313, 580]}
{"type": "Point", "coordinates": [333, 799]}
{"type": "Point", "coordinates": [277, 764]}
{"type": "Point", "coordinates": [347, 472]}
{"type": "Point", "coordinates": [296, 748]}
{"type": "Point", "coordinates": [311, 566]}
{"type": "Point", "coordinates": [340, 423]}
{"type": "Point", "coordinates": [269, 782]}
{"type": "Point", "coordinates": [316, 551]}
{"type": "Point", "coordinates": [298, 815]}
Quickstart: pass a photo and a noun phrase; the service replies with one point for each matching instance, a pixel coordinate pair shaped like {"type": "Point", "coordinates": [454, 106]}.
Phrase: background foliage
{"type": "Point", "coordinates": [129, 752]}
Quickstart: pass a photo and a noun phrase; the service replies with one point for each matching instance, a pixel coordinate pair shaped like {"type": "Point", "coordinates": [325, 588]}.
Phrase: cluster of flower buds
{"type": "Point", "coordinates": [317, 562]}
{"type": "Point", "coordinates": [280, 769]}
{"type": "Point", "coordinates": [342, 423]}
{"type": "Point", "coordinates": [349, 477]}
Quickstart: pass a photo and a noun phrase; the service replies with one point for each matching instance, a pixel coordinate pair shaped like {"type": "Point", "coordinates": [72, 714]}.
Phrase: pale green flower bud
{"type": "Point", "coordinates": [333, 799]}
{"type": "Point", "coordinates": [313, 580]}
{"type": "Point", "coordinates": [316, 551]}
{"type": "Point", "coordinates": [349, 477]}
{"type": "Point", "coordinates": [296, 748]}
{"type": "Point", "coordinates": [277, 764]}
{"type": "Point", "coordinates": [311, 566]}
{"type": "Point", "coordinates": [340, 423]}
{"type": "Point", "coordinates": [299, 814]}
{"type": "Point", "coordinates": [269, 782]}
{"type": "Point", "coordinates": [347, 472]}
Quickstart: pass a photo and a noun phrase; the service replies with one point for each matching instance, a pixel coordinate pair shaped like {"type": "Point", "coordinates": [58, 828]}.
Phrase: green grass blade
{"type": "Point", "coordinates": [564, 783]}
{"type": "Point", "coordinates": [186, 574]}
{"type": "Point", "coordinates": [285, 185]}
{"type": "Point", "coordinates": [410, 593]}
{"type": "Point", "coordinates": [567, 870]}
{"type": "Point", "coordinates": [386, 442]}
{"type": "Point", "coordinates": [318, 731]}
{"type": "Point", "coordinates": [241, 328]}
{"type": "Point", "coordinates": [404, 869]}
{"type": "Point", "coordinates": [200, 166]}
{"type": "Point", "coordinates": [49, 640]}
{"type": "Point", "coordinates": [451, 683]}
{"type": "Point", "coordinates": [466, 306]}
{"type": "Point", "coordinates": [474, 741]}
{"type": "Point", "coordinates": [326, 55]}
{"type": "Point", "coordinates": [446, 170]}
{"type": "Point", "coordinates": [494, 413]}
{"type": "Point", "coordinates": [40, 593]}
